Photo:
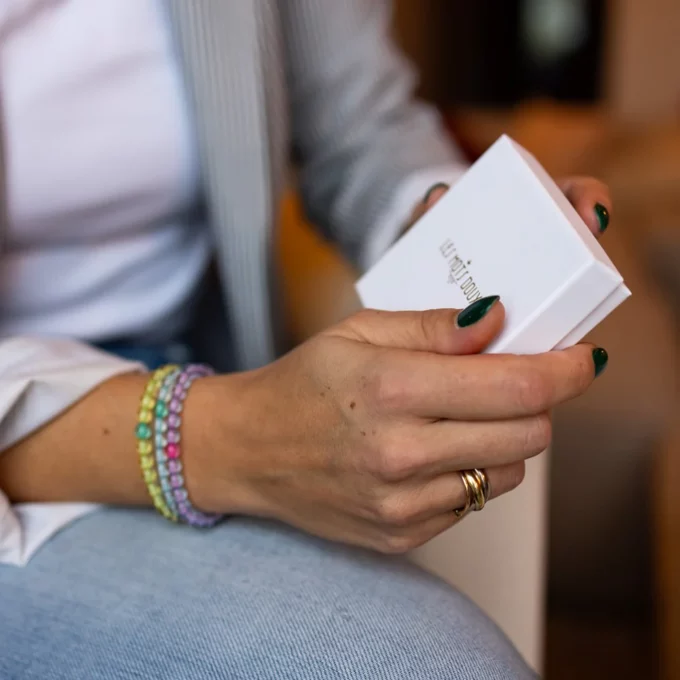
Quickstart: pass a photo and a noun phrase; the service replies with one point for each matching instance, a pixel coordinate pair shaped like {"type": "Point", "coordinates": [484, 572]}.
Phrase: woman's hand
{"type": "Point", "coordinates": [357, 435]}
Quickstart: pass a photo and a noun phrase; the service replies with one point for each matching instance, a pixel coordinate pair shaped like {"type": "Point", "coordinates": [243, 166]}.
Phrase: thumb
{"type": "Point", "coordinates": [442, 331]}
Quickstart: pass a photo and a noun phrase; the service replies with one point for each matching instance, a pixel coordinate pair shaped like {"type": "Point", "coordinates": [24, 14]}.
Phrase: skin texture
{"type": "Point", "coordinates": [356, 435]}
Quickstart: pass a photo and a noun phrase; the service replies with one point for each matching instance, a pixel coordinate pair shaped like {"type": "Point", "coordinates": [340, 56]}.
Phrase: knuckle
{"type": "Point", "coordinates": [436, 326]}
{"type": "Point", "coordinates": [393, 461]}
{"type": "Point", "coordinates": [391, 466]}
{"type": "Point", "coordinates": [396, 544]}
{"type": "Point", "coordinates": [363, 317]}
{"type": "Point", "coordinates": [578, 372]}
{"type": "Point", "coordinates": [386, 390]}
{"type": "Point", "coordinates": [539, 434]}
{"type": "Point", "coordinates": [393, 512]}
{"type": "Point", "coordinates": [533, 390]}
{"type": "Point", "coordinates": [358, 323]}
{"type": "Point", "coordinates": [585, 373]}
{"type": "Point", "coordinates": [429, 320]}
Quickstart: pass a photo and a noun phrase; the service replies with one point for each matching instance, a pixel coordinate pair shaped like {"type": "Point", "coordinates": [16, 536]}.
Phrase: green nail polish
{"type": "Point", "coordinates": [602, 216]}
{"type": "Point", "coordinates": [476, 311]}
{"type": "Point", "coordinates": [600, 359]}
{"type": "Point", "coordinates": [438, 185]}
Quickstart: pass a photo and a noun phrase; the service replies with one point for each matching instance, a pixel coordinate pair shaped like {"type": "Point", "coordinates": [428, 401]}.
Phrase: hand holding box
{"type": "Point", "coordinates": [504, 229]}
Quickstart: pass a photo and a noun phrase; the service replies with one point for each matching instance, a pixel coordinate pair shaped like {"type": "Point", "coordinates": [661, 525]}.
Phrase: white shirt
{"type": "Point", "coordinates": [100, 172]}
{"type": "Point", "coordinates": [101, 167]}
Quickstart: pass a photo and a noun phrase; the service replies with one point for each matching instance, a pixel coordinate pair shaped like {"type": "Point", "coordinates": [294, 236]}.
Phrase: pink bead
{"type": "Point", "coordinates": [172, 451]}
{"type": "Point", "coordinates": [176, 406]}
{"type": "Point", "coordinates": [174, 466]}
{"type": "Point", "coordinates": [173, 436]}
{"type": "Point", "coordinates": [174, 420]}
{"type": "Point", "coordinates": [176, 481]}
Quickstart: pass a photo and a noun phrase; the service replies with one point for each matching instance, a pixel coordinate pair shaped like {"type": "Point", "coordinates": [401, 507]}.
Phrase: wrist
{"type": "Point", "coordinates": [214, 422]}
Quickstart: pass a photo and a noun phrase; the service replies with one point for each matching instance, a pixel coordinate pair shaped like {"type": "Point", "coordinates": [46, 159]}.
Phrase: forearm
{"type": "Point", "coordinates": [89, 452]}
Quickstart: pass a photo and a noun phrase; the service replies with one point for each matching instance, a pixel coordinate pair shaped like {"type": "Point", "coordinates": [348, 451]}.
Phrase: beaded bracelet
{"type": "Point", "coordinates": [144, 435]}
{"type": "Point", "coordinates": [163, 421]}
{"type": "Point", "coordinates": [164, 397]}
{"type": "Point", "coordinates": [171, 412]}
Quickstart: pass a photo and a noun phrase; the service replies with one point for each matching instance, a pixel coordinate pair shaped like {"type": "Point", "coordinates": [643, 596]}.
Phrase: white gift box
{"type": "Point", "coordinates": [504, 229]}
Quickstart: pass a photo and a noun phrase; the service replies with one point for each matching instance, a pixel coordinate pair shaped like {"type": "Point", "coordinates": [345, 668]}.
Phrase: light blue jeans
{"type": "Point", "coordinates": [125, 594]}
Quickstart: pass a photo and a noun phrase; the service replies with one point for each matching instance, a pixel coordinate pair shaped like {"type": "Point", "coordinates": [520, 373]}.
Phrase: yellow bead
{"type": "Point", "coordinates": [150, 476]}
{"type": "Point", "coordinates": [146, 462]}
{"type": "Point", "coordinates": [155, 490]}
{"type": "Point", "coordinates": [163, 509]}
{"type": "Point", "coordinates": [144, 448]}
{"type": "Point", "coordinates": [145, 416]}
{"type": "Point", "coordinates": [148, 403]}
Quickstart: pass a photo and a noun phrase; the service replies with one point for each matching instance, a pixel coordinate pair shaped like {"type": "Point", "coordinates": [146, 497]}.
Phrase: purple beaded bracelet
{"type": "Point", "coordinates": [168, 412]}
{"type": "Point", "coordinates": [162, 422]}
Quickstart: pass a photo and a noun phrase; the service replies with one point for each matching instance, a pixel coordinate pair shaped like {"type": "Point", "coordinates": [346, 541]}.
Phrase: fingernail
{"type": "Point", "coordinates": [600, 359]}
{"type": "Point", "coordinates": [476, 311]}
{"type": "Point", "coordinates": [602, 216]}
{"type": "Point", "coordinates": [438, 185]}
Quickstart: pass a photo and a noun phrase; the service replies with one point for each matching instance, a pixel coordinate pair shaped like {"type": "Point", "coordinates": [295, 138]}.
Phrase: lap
{"type": "Point", "coordinates": [122, 594]}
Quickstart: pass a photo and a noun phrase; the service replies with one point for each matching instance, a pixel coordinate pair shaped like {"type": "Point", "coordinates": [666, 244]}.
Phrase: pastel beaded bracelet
{"type": "Point", "coordinates": [163, 421]}
{"type": "Point", "coordinates": [144, 434]}
{"type": "Point", "coordinates": [162, 404]}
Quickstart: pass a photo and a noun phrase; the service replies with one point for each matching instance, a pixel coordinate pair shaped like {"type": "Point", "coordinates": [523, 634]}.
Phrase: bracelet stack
{"type": "Point", "coordinates": [158, 443]}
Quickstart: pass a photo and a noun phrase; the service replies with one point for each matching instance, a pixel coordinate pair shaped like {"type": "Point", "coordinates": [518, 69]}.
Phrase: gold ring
{"type": "Point", "coordinates": [478, 499]}
{"type": "Point", "coordinates": [461, 512]}
{"type": "Point", "coordinates": [482, 484]}
{"type": "Point", "coordinates": [485, 483]}
{"type": "Point", "coordinates": [476, 485]}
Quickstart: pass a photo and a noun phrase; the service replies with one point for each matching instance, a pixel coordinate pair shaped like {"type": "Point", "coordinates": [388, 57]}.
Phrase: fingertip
{"type": "Point", "coordinates": [478, 324]}
{"type": "Point", "coordinates": [592, 360]}
{"type": "Point", "coordinates": [602, 216]}
{"type": "Point", "coordinates": [600, 360]}
{"type": "Point", "coordinates": [434, 193]}
{"type": "Point", "coordinates": [592, 201]}
{"type": "Point", "coordinates": [476, 311]}
{"type": "Point", "coordinates": [595, 214]}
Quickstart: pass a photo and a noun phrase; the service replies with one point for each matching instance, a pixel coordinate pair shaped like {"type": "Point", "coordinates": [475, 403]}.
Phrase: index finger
{"type": "Point", "coordinates": [488, 386]}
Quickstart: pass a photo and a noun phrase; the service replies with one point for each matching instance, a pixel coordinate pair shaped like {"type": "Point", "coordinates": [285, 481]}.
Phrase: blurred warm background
{"type": "Point", "coordinates": [590, 87]}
